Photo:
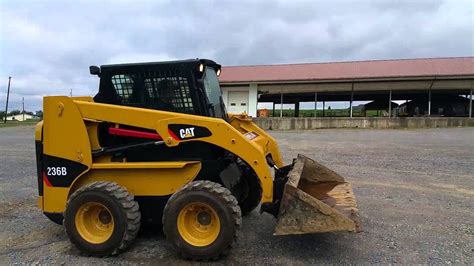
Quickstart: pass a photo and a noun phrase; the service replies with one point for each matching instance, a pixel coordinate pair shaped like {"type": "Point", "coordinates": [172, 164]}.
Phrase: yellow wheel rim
{"type": "Point", "coordinates": [94, 222]}
{"type": "Point", "coordinates": [198, 224]}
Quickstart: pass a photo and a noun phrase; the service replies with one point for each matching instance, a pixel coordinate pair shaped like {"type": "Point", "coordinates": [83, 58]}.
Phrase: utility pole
{"type": "Point", "coordinates": [23, 103]}
{"type": "Point", "coordinates": [8, 95]}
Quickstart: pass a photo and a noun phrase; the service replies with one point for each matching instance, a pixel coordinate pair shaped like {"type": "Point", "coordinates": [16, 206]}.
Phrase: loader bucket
{"type": "Point", "coordinates": [315, 200]}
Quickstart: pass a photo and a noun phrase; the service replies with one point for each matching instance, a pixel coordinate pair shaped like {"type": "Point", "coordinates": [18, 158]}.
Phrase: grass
{"type": "Point", "coordinates": [18, 123]}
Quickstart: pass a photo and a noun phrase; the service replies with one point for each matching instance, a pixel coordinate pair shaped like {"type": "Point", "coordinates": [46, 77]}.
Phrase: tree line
{"type": "Point", "coordinates": [39, 114]}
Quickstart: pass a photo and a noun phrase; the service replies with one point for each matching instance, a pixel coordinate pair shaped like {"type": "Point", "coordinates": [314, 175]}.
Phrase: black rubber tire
{"type": "Point", "coordinates": [124, 210]}
{"type": "Point", "coordinates": [226, 207]}
{"type": "Point", "coordinates": [252, 194]}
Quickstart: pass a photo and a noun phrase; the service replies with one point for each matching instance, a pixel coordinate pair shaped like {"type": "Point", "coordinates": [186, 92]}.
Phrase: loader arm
{"type": "Point", "coordinates": [247, 127]}
{"type": "Point", "coordinates": [170, 125]}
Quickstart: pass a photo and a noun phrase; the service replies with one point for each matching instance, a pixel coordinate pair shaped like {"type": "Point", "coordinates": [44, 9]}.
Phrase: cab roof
{"type": "Point", "coordinates": [177, 63]}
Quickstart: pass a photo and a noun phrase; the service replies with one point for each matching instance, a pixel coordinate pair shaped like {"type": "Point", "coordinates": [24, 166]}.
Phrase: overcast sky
{"type": "Point", "coordinates": [47, 46]}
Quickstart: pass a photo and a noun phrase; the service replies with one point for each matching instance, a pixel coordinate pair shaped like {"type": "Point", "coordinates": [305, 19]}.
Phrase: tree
{"type": "Point", "coordinates": [15, 112]}
{"type": "Point", "coordinates": [39, 114]}
{"type": "Point", "coordinates": [2, 115]}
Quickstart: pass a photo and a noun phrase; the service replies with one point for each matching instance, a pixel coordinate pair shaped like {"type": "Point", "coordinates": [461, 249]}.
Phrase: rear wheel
{"type": "Point", "coordinates": [202, 220]}
{"type": "Point", "coordinates": [102, 219]}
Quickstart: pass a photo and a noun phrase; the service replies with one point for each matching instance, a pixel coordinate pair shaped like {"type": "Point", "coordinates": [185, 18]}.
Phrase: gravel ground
{"type": "Point", "coordinates": [415, 191]}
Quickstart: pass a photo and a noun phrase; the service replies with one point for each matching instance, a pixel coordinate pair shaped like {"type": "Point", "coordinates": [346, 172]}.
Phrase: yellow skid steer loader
{"type": "Point", "coordinates": [156, 145]}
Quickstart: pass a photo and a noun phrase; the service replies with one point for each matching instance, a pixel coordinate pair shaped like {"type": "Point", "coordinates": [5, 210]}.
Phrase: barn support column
{"type": "Point", "coordinates": [281, 103]}
{"type": "Point", "coordinates": [323, 107]}
{"type": "Point", "coordinates": [297, 109]}
{"type": "Point", "coordinates": [429, 102]}
{"type": "Point", "coordinates": [470, 103]}
{"type": "Point", "coordinates": [352, 98]}
{"type": "Point", "coordinates": [253, 100]}
{"type": "Point", "coordinates": [390, 104]}
{"type": "Point", "coordinates": [315, 104]}
{"type": "Point", "coordinates": [429, 96]}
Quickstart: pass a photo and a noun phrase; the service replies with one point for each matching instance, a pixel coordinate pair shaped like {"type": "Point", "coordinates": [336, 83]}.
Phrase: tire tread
{"type": "Point", "coordinates": [126, 201]}
{"type": "Point", "coordinates": [221, 192]}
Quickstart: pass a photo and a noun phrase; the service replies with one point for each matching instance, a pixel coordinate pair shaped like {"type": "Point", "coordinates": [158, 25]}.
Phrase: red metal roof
{"type": "Point", "coordinates": [456, 66]}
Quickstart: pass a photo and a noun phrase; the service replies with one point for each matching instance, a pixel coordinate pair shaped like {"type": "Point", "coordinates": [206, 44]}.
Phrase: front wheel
{"type": "Point", "coordinates": [250, 192]}
{"type": "Point", "coordinates": [202, 220]}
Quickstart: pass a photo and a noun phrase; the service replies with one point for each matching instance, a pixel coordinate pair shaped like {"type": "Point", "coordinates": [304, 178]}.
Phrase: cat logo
{"type": "Point", "coordinates": [185, 133]}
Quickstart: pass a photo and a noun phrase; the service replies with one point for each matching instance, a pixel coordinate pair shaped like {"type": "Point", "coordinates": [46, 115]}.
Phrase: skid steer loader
{"type": "Point", "coordinates": [156, 145]}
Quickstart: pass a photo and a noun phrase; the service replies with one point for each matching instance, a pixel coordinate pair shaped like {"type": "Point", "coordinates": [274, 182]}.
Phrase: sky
{"type": "Point", "coordinates": [47, 46]}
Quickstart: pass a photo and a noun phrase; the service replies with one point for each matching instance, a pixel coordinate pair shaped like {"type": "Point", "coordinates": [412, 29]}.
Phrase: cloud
{"type": "Point", "coordinates": [138, 57]}
{"type": "Point", "coordinates": [47, 46]}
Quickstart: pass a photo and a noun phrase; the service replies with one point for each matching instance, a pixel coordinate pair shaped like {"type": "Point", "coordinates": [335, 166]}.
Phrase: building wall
{"type": "Point", "coordinates": [301, 123]}
{"type": "Point", "coordinates": [19, 117]}
{"type": "Point", "coordinates": [251, 89]}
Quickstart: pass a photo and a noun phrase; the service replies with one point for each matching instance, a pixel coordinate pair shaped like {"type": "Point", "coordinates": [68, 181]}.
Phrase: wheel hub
{"type": "Point", "coordinates": [204, 218]}
{"type": "Point", "coordinates": [198, 224]}
{"type": "Point", "coordinates": [105, 217]}
{"type": "Point", "coordinates": [94, 222]}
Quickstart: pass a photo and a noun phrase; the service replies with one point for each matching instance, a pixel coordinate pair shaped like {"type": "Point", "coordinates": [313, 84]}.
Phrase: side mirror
{"type": "Point", "coordinates": [94, 70]}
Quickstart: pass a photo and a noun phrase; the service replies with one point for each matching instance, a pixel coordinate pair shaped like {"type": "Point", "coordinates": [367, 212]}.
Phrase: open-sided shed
{"type": "Point", "coordinates": [380, 80]}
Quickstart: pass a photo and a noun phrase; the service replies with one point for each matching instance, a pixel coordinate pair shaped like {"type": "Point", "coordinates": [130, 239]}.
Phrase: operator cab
{"type": "Point", "coordinates": [185, 86]}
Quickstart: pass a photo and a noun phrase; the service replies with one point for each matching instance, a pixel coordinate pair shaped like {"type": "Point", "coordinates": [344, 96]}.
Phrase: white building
{"type": "Point", "coordinates": [19, 117]}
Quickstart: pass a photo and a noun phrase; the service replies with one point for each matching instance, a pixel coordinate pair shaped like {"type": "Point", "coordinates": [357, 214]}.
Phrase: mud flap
{"type": "Point", "coordinates": [316, 199]}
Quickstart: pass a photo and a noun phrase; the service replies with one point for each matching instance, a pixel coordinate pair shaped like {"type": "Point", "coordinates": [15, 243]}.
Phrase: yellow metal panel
{"type": "Point", "coordinates": [39, 131]}
{"type": "Point", "coordinates": [144, 181]}
{"type": "Point", "coordinates": [140, 165]}
{"type": "Point", "coordinates": [54, 198]}
{"type": "Point", "coordinates": [92, 131]}
{"type": "Point", "coordinates": [64, 133]}
{"type": "Point", "coordinates": [139, 117]}
{"type": "Point", "coordinates": [83, 98]}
